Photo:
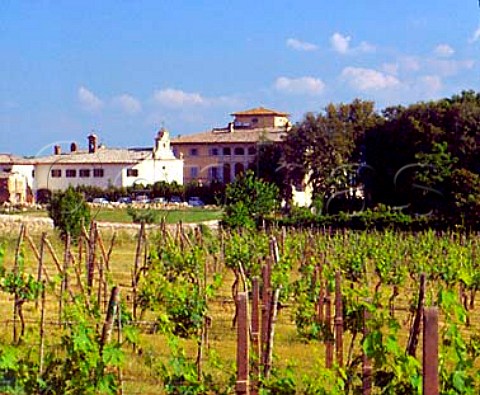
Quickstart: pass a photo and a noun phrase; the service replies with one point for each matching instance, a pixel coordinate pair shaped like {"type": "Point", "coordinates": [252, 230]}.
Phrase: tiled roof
{"type": "Point", "coordinates": [261, 111]}
{"type": "Point", "coordinates": [219, 136]}
{"type": "Point", "coordinates": [102, 155]}
{"type": "Point", "coordinates": [13, 159]}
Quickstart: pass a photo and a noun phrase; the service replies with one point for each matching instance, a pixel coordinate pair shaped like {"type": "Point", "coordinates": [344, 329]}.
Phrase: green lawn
{"type": "Point", "coordinates": [186, 215]}
{"type": "Point", "coordinates": [105, 214]}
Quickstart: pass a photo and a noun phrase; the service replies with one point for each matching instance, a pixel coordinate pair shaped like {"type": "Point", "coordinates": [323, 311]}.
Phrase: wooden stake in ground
{"type": "Point", "coordinates": [367, 365]}
{"type": "Point", "coordinates": [64, 286]}
{"type": "Point", "coordinates": [16, 269]}
{"type": "Point", "coordinates": [92, 244]}
{"type": "Point", "coordinates": [111, 313]}
{"type": "Point", "coordinates": [272, 319]}
{"type": "Point", "coordinates": [242, 383]}
{"type": "Point", "coordinates": [328, 335]}
{"type": "Point", "coordinates": [40, 261]}
{"type": "Point", "coordinates": [338, 319]}
{"type": "Point", "coordinates": [120, 341]}
{"type": "Point", "coordinates": [138, 255]}
{"type": "Point", "coordinates": [255, 334]}
{"type": "Point", "coordinates": [42, 331]}
{"type": "Point", "coordinates": [430, 351]}
{"type": "Point", "coordinates": [415, 330]}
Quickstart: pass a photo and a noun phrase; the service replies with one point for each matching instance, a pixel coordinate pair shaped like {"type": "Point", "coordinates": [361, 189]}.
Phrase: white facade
{"type": "Point", "coordinates": [104, 167]}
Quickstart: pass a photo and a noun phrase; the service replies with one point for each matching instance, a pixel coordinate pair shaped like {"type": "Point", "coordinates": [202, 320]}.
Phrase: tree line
{"type": "Point", "coordinates": [420, 159]}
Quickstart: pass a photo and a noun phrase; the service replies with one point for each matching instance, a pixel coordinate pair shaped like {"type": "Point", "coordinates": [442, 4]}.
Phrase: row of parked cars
{"type": "Point", "coordinates": [193, 201]}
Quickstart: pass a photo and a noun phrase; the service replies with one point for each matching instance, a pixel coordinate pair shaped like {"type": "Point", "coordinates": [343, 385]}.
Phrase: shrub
{"type": "Point", "coordinates": [248, 200]}
{"type": "Point", "coordinates": [69, 211]}
{"type": "Point", "coordinates": [148, 216]}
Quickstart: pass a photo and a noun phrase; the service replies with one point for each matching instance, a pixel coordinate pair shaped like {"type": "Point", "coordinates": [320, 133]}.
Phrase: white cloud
{"type": "Point", "coordinates": [175, 98]}
{"type": "Point", "coordinates": [340, 43]}
{"type": "Point", "coordinates": [443, 50]}
{"type": "Point", "coordinates": [410, 63]}
{"type": "Point", "coordinates": [449, 67]}
{"type": "Point", "coordinates": [476, 36]}
{"type": "Point", "coordinates": [88, 100]}
{"type": "Point", "coordinates": [128, 104]}
{"type": "Point", "coordinates": [431, 83]}
{"type": "Point", "coordinates": [365, 47]}
{"type": "Point", "coordinates": [390, 68]}
{"type": "Point", "coordinates": [368, 79]}
{"type": "Point", "coordinates": [300, 45]}
{"type": "Point", "coordinates": [300, 86]}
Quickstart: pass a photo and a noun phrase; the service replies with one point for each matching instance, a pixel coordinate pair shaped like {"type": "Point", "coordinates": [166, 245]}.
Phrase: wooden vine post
{"type": "Point", "coordinates": [366, 363]}
{"type": "Point", "coordinates": [42, 331]}
{"type": "Point", "coordinates": [255, 334]}
{"type": "Point", "coordinates": [40, 267]}
{"type": "Point", "coordinates": [111, 313]}
{"type": "Point", "coordinates": [91, 256]}
{"type": "Point", "coordinates": [328, 329]}
{"type": "Point", "coordinates": [430, 351]}
{"type": "Point", "coordinates": [138, 255]}
{"type": "Point", "coordinates": [16, 269]}
{"type": "Point", "coordinates": [338, 319]}
{"type": "Point", "coordinates": [242, 386]}
{"type": "Point", "coordinates": [415, 330]}
{"type": "Point", "coordinates": [64, 285]}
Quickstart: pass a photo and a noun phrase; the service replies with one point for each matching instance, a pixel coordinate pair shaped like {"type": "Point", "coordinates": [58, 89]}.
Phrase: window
{"type": "Point", "coordinates": [98, 173]}
{"type": "Point", "coordinates": [214, 151]}
{"type": "Point", "coordinates": [214, 173]}
{"type": "Point", "coordinates": [254, 120]}
{"type": "Point", "coordinates": [227, 151]}
{"type": "Point", "coordinates": [239, 151]}
{"type": "Point", "coordinates": [132, 172]}
{"type": "Point", "coordinates": [84, 173]}
{"type": "Point", "coordinates": [56, 173]}
{"type": "Point", "coordinates": [252, 151]}
{"type": "Point", "coordinates": [33, 173]}
{"type": "Point", "coordinates": [194, 172]}
{"type": "Point", "coordinates": [70, 173]}
{"type": "Point", "coordinates": [193, 152]}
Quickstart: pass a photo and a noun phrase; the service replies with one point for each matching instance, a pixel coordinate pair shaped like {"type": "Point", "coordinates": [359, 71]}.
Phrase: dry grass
{"type": "Point", "coordinates": [141, 367]}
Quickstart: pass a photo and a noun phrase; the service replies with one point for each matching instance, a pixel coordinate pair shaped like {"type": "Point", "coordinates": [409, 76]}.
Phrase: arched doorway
{"type": "Point", "coordinates": [227, 173]}
{"type": "Point", "coordinates": [239, 168]}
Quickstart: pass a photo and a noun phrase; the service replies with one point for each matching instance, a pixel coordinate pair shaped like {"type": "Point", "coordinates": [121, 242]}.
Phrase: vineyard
{"type": "Point", "coordinates": [199, 311]}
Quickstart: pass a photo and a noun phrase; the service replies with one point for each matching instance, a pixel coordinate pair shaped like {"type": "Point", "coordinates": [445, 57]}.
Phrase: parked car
{"type": "Point", "coordinates": [195, 201]}
{"type": "Point", "coordinates": [142, 199]}
{"type": "Point", "coordinates": [100, 200]}
{"type": "Point", "coordinates": [176, 199]}
{"type": "Point", "coordinates": [125, 199]}
{"type": "Point", "coordinates": [159, 200]}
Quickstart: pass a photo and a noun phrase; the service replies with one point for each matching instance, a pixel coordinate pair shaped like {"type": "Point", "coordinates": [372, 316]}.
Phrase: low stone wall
{"type": "Point", "coordinates": [12, 223]}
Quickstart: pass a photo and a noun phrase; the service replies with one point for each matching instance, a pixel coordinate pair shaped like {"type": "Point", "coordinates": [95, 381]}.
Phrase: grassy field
{"type": "Point", "coordinates": [370, 264]}
{"type": "Point", "coordinates": [171, 215]}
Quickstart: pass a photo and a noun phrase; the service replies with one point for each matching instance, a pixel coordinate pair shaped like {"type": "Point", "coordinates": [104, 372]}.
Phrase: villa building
{"type": "Point", "coordinates": [222, 153]}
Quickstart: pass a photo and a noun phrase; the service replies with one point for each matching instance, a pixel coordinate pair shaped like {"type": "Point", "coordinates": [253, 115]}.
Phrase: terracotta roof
{"type": "Point", "coordinates": [224, 136]}
{"type": "Point", "coordinates": [102, 155]}
{"type": "Point", "coordinates": [14, 159]}
{"type": "Point", "coordinates": [261, 111]}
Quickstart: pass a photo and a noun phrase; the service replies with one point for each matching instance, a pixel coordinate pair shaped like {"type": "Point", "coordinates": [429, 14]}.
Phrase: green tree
{"type": "Point", "coordinates": [69, 210]}
{"type": "Point", "coordinates": [248, 200]}
{"type": "Point", "coordinates": [322, 143]}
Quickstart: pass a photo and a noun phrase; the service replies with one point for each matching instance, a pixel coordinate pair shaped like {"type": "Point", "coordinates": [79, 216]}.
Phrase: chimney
{"type": "Point", "coordinates": [73, 147]}
{"type": "Point", "coordinates": [57, 150]}
{"type": "Point", "coordinates": [92, 143]}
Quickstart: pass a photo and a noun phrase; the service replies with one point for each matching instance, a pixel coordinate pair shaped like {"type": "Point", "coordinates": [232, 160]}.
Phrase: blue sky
{"type": "Point", "coordinates": [125, 68]}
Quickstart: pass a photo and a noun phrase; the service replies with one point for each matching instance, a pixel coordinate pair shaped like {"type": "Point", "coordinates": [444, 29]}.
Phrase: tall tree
{"type": "Point", "coordinates": [322, 144]}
